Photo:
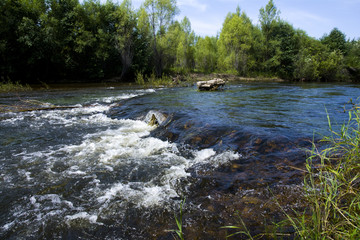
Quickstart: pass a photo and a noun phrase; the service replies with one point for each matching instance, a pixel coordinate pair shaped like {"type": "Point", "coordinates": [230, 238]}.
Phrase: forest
{"type": "Point", "coordinates": [72, 40]}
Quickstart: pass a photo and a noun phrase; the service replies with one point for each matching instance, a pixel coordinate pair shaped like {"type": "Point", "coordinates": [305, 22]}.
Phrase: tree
{"type": "Point", "coordinates": [289, 46]}
{"type": "Point", "coordinates": [235, 44]}
{"type": "Point", "coordinates": [125, 35]}
{"type": "Point", "coordinates": [206, 54]}
{"type": "Point", "coordinates": [316, 62]}
{"type": "Point", "coordinates": [268, 18]}
{"type": "Point", "coordinates": [336, 40]}
{"type": "Point", "coordinates": [185, 47]}
{"type": "Point", "coordinates": [160, 13]}
{"type": "Point", "coordinates": [59, 25]}
{"type": "Point", "coordinates": [352, 59]}
{"type": "Point", "coordinates": [143, 59]}
{"type": "Point", "coordinates": [22, 45]}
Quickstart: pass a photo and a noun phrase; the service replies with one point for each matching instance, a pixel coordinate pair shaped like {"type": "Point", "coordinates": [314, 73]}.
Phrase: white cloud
{"type": "Point", "coordinates": [306, 16]}
{"type": "Point", "coordinates": [315, 25]}
{"type": "Point", "coordinates": [192, 3]}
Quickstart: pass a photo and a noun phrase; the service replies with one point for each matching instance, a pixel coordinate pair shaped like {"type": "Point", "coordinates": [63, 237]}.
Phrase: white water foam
{"type": "Point", "coordinates": [123, 96]}
{"type": "Point", "coordinates": [120, 164]}
{"type": "Point", "coordinates": [67, 117]}
{"type": "Point", "coordinates": [82, 215]}
{"type": "Point", "coordinates": [75, 114]}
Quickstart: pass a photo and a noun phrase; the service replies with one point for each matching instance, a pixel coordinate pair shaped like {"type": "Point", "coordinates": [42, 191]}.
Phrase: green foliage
{"type": "Point", "coordinates": [124, 35]}
{"type": "Point", "coordinates": [352, 60]}
{"type": "Point", "coordinates": [206, 54]}
{"type": "Point", "coordinates": [268, 18]}
{"type": "Point", "coordinates": [235, 44]}
{"type": "Point", "coordinates": [139, 79]}
{"type": "Point", "coordinates": [51, 40]}
{"type": "Point", "coordinates": [160, 14]}
{"type": "Point", "coordinates": [287, 49]}
{"type": "Point", "coordinates": [178, 47]}
{"type": "Point", "coordinates": [317, 63]}
{"type": "Point", "coordinates": [336, 40]}
{"type": "Point", "coordinates": [157, 82]}
{"type": "Point", "coordinates": [185, 48]}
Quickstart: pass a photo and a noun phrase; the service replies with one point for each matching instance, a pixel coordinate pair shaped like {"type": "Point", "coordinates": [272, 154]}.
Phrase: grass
{"type": "Point", "coordinates": [153, 81]}
{"type": "Point", "coordinates": [164, 81]}
{"type": "Point", "coordinates": [13, 87]}
{"type": "Point", "coordinates": [332, 186]}
{"type": "Point", "coordinates": [331, 189]}
{"type": "Point", "coordinates": [240, 230]}
{"type": "Point", "coordinates": [179, 221]}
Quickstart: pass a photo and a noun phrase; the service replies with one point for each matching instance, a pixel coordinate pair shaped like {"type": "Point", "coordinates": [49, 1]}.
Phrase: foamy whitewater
{"type": "Point", "coordinates": [78, 164]}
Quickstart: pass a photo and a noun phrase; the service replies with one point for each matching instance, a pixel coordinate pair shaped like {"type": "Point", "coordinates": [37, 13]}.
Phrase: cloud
{"type": "Point", "coordinates": [192, 3]}
{"type": "Point", "coordinates": [298, 16]}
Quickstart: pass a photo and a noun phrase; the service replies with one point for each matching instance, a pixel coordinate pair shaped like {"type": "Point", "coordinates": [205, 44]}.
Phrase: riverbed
{"type": "Point", "coordinates": [91, 167]}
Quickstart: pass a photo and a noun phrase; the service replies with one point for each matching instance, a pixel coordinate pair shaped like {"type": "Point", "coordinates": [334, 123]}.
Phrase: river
{"type": "Point", "coordinates": [95, 168]}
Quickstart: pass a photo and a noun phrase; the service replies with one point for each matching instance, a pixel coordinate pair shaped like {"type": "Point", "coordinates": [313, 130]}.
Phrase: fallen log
{"type": "Point", "coordinates": [210, 85]}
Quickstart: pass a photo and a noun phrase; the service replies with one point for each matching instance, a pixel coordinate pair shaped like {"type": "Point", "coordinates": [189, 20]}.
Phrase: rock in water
{"type": "Point", "coordinates": [210, 85]}
{"type": "Point", "coordinates": [155, 118]}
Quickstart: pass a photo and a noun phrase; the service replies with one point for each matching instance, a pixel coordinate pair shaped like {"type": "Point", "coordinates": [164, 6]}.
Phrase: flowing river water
{"type": "Point", "coordinates": [93, 168]}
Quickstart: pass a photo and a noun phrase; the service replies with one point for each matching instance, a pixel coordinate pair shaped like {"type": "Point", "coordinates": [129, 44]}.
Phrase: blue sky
{"type": "Point", "coordinates": [316, 17]}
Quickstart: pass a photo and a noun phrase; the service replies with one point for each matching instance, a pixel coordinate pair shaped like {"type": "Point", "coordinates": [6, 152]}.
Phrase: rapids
{"type": "Point", "coordinates": [97, 170]}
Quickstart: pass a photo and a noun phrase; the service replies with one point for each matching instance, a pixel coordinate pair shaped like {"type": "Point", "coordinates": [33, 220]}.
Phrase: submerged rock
{"type": "Point", "coordinates": [210, 85]}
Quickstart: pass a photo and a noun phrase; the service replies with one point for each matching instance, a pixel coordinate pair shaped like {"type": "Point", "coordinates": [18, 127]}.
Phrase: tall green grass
{"type": "Point", "coordinates": [9, 86]}
{"type": "Point", "coordinates": [332, 185]}
{"type": "Point", "coordinates": [240, 230]}
{"type": "Point", "coordinates": [179, 223]}
{"type": "Point", "coordinates": [153, 81]}
{"type": "Point", "coordinates": [331, 189]}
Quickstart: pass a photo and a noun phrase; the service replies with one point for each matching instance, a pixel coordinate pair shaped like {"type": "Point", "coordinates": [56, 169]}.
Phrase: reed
{"type": "Point", "coordinates": [332, 185]}
{"type": "Point", "coordinates": [179, 222]}
{"type": "Point", "coordinates": [10, 86]}
{"type": "Point", "coordinates": [241, 230]}
{"type": "Point", "coordinates": [331, 189]}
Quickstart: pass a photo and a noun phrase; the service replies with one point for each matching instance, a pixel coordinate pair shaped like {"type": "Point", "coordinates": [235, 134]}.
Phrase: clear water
{"type": "Point", "coordinates": [97, 170]}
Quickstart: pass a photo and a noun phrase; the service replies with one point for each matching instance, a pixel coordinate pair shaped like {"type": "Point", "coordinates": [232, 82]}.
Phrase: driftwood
{"type": "Point", "coordinates": [210, 85]}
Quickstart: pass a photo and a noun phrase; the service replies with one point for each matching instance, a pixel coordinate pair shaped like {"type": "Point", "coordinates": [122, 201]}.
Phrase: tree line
{"type": "Point", "coordinates": [53, 40]}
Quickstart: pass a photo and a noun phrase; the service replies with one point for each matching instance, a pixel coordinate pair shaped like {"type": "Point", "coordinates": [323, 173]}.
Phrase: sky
{"type": "Point", "coordinates": [315, 17]}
